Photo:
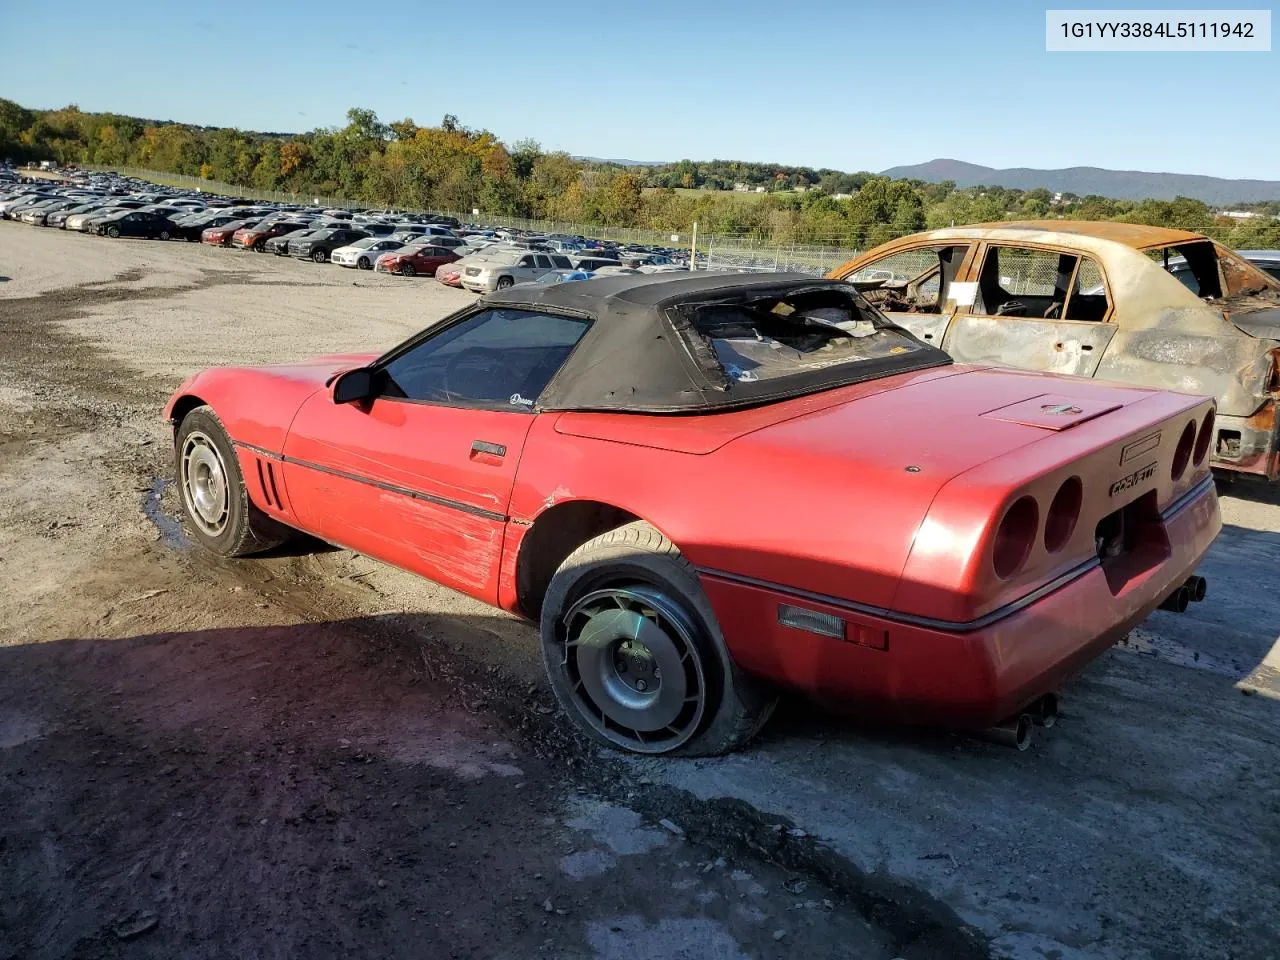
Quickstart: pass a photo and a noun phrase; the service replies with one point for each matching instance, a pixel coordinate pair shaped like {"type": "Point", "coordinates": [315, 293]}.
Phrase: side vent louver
{"type": "Point", "coordinates": [262, 484]}
{"type": "Point", "coordinates": [275, 494]}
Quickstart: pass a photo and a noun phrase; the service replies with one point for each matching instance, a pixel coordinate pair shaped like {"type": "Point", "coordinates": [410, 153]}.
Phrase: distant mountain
{"type": "Point", "coordinates": [625, 163]}
{"type": "Point", "coordinates": [1121, 184]}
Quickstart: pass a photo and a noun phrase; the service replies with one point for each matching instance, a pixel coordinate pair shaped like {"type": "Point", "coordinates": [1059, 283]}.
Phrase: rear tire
{"type": "Point", "coordinates": [218, 509]}
{"type": "Point", "coordinates": [164, 234]}
{"type": "Point", "coordinates": [634, 655]}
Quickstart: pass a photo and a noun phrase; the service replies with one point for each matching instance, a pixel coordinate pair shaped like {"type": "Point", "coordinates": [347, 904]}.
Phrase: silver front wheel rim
{"type": "Point", "coordinates": [204, 484]}
{"type": "Point", "coordinates": [634, 667]}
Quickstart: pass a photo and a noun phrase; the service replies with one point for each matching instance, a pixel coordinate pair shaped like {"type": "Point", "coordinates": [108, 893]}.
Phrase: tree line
{"type": "Point", "coordinates": [451, 167]}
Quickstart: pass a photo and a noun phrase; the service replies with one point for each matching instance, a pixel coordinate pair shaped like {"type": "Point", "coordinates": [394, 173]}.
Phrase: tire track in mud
{"type": "Point", "coordinates": [77, 386]}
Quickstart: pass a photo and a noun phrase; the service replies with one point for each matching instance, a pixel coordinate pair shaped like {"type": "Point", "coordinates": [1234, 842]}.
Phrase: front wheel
{"type": "Point", "coordinates": [113, 232]}
{"type": "Point", "coordinates": [407, 270]}
{"type": "Point", "coordinates": [505, 282]}
{"type": "Point", "coordinates": [634, 655]}
{"type": "Point", "coordinates": [319, 256]}
{"type": "Point", "coordinates": [164, 234]}
{"type": "Point", "coordinates": [214, 497]}
{"type": "Point", "coordinates": [364, 264]}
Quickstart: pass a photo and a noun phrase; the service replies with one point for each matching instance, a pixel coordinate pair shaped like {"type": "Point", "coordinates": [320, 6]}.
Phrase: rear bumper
{"type": "Point", "coordinates": [919, 672]}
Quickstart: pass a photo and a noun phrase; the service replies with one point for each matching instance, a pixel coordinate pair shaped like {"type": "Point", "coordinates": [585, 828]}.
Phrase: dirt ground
{"type": "Point", "coordinates": [312, 755]}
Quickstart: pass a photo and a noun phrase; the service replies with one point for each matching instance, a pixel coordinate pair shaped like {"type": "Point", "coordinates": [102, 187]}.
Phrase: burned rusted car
{"type": "Point", "coordinates": [1097, 300]}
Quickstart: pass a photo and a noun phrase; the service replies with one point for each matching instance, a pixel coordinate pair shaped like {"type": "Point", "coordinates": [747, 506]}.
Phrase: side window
{"type": "Point", "coordinates": [562, 262]}
{"type": "Point", "coordinates": [544, 261]}
{"type": "Point", "coordinates": [911, 281]}
{"type": "Point", "coordinates": [502, 358]}
{"type": "Point", "coordinates": [1088, 294]}
{"type": "Point", "coordinates": [526, 261]}
{"type": "Point", "coordinates": [1024, 282]}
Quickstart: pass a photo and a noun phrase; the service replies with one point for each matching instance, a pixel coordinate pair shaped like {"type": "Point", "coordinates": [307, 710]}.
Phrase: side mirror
{"type": "Point", "coordinates": [353, 386]}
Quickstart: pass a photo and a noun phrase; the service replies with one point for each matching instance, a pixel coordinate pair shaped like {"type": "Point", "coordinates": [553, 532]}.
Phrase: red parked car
{"type": "Point", "coordinates": [255, 237]}
{"type": "Point", "coordinates": [221, 236]}
{"type": "Point", "coordinates": [705, 487]}
{"type": "Point", "coordinates": [450, 274]}
{"type": "Point", "coordinates": [411, 261]}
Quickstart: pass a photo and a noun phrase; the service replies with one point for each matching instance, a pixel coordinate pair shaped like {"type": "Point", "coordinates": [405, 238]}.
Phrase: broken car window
{"type": "Point", "coordinates": [910, 281]}
{"type": "Point", "coordinates": [767, 338]}
{"type": "Point", "coordinates": [1194, 263]}
{"type": "Point", "coordinates": [1024, 282]}
{"type": "Point", "coordinates": [1088, 300]}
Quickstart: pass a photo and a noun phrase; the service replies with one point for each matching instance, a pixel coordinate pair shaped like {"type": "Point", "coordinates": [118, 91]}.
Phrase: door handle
{"type": "Point", "coordinates": [485, 448]}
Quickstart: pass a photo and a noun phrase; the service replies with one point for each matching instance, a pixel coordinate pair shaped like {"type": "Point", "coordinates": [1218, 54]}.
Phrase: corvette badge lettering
{"type": "Point", "coordinates": [1133, 479]}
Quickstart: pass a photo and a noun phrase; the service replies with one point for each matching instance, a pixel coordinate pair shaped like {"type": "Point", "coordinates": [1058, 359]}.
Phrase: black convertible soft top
{"type": "Point", "coordinates": [672, 343]}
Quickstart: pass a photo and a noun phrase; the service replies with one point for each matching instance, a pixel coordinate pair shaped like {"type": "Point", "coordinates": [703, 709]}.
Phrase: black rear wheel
{"type": "Point", "coordinates": [634, 655]}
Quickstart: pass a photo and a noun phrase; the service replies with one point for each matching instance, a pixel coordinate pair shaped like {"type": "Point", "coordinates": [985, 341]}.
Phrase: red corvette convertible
{"type": "Point", "coordinates": [705, 487]}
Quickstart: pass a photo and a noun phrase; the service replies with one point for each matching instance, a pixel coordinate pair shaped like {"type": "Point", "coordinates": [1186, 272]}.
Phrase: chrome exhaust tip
{"type": "Point", "coordinates": [1014, 732]}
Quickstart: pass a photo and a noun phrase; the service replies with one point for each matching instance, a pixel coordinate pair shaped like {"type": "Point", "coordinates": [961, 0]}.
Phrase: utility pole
{"type": "Point", "coordinates": [693, 248]}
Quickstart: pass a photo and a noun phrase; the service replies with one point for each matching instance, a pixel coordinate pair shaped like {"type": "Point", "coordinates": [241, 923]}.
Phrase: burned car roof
{"type": "Point", "coordinates": [1136, 235]}
{"type": "Point", "coordinates": [665, 343]}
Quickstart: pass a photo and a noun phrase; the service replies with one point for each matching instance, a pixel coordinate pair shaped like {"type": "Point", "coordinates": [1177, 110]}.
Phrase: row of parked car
{"type": "Point", "coordinates": [472, 256]}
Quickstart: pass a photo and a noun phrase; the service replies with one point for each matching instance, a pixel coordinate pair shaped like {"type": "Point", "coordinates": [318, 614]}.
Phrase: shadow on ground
{"type": "Point", "coordinates": [339, 790]}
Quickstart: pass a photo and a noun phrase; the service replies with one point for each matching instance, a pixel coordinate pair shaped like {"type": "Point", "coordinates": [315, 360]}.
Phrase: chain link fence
{"type": "Point", "coordinates": [748, 255]}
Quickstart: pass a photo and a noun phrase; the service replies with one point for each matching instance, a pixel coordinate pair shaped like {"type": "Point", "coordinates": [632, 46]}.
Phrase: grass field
{"type": "Point", "coordinates": [732, 194]}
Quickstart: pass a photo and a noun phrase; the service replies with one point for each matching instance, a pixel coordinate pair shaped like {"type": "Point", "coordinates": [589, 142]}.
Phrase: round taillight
{"type": "Point", "coordinates": [1060, 522]}
{"type": "Point", "coordinates": [1204, 438]}
{"type": "Point", "coordinates": [1182, 455]}
{"type": "Point", "coordinates": [1015, 536]}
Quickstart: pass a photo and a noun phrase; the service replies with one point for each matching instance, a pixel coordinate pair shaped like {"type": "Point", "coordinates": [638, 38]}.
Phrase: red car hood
{"type": "Point", "coordinates": [315, 371]}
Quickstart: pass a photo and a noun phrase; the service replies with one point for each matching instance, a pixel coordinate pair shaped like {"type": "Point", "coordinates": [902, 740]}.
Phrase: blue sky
{"type": "Point", "coordinates": [849, 85]}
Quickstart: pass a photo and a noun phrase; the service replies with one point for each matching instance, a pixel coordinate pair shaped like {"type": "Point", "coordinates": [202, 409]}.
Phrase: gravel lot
{"type": "Point", "coordinates": [310, 754]}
